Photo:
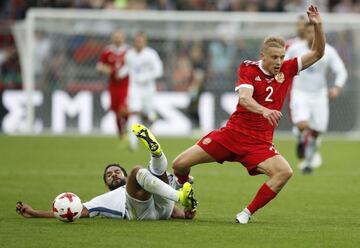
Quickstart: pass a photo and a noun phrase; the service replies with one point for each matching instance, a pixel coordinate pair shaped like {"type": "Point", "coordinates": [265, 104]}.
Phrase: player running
{"type": "Point", "coordinates": [144, 194]}
{"type": "Point", "coordinates": [248, 135]}
{"type": "Point", "coordinates": [309, 99]}
{"type": "Point", "coordinates": [110, 62]}
{"type": "Point", "coordinates": [144, 66]}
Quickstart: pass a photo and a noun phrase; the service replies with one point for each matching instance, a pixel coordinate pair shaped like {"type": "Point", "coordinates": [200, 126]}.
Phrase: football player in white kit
{"type": "Point", "coordinates": [144, 194]}
{"type": "Point", "coordinates": [309, 98]}
{"type": "Point", "coordinates": [144, 66]}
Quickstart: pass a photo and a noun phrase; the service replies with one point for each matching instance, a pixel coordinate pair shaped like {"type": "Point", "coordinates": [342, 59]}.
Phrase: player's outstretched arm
{"type": "Point", "coordinates": [247, 101]}
{"type": "Point", "coordinates": [28, 212]}
{"type": "Point", "coordinates": [318, 45]}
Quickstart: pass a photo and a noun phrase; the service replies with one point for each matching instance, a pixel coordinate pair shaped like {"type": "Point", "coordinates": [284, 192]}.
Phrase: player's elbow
{"type": "Point", "coordinates": [319, 53]}
{"type": "Point", "coordinates": [244, 100]}
{"type": "Point", "coordinates": [159, 72]}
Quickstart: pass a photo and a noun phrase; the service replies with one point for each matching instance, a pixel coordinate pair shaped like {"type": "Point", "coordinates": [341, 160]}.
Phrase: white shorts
{"type": "Point", "coordinates": [156, 208]}
{"type": "Point", "coordinates": [141, 99]}
{"type": "Point", "coordinates": [311, 108]}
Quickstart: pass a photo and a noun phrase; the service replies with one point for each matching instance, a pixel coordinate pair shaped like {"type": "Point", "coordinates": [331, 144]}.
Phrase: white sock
{"type": "Point", "coordinates": [154, 185]}
{"type": "Point", "coordinates": [158, 164]}
{"type": "Point", "coordinates": [247, 211]}
{"type": "Point", "coordinates": [310, 149]}
{"type": "Point", "coordinates": [133, 142]}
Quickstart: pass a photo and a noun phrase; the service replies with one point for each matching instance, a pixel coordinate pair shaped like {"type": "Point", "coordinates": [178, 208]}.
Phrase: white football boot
{"type": "Point", "coordinates": [243, 217]}
{"type": "Point", "coordinates": [316, 161]}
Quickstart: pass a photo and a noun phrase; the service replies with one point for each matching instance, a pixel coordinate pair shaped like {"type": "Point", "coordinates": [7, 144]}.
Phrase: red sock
{"type": "Point", "coordinates": [121, 125]}
{"type": "Point", "coordinates": [263, 196]}
{"type": "Point", "coordinates": [182, 178]}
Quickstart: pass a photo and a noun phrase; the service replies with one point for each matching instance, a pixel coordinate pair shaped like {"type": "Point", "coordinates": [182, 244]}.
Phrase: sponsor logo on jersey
{"type": "Point", "coordinates": [280, 77]}
{"type": "Point", "coordinates": [258, 79]}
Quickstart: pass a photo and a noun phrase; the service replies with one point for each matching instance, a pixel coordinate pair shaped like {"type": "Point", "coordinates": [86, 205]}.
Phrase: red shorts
{"type": "Point", "coordinates": [228, 145]}
{"type": "Point", "coordinates": [118, 95]}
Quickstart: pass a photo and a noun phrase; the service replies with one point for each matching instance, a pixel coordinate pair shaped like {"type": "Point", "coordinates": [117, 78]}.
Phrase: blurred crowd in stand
{"type": "Point", "coordinates": [195, 63]}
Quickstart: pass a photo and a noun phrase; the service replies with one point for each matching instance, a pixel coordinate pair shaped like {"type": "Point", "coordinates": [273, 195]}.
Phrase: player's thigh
{"type": "Point", "coordinates": [192, 156]}
{"type": "Point", "coordinates": [299, 107]}
{"type": "Point", "coordinates": [320, 114]}
{"type": "Point", "coordinates": [147, 106]}
{"type": "Point", "coordinates": [134, 99]}
{"type": "Point", "coordinates": [140, 210]}
{"type": "Point", "coordinates": [275, 165]}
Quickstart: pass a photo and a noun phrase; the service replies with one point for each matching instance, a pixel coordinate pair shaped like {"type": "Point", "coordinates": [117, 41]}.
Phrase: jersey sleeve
{"type": "Point", "coordinates": [294, 66]}
{"type": "Point", "coordinates": [338, 67]}
{"type": "Point", "coordinates": [244, 78]}
{"type": "Point", "coordinates": [289, 53]}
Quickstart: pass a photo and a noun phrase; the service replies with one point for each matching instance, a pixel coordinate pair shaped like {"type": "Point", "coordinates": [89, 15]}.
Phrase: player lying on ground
{"type": "Point", "coordinates": [248, 135]}
{"type": "Point", "coordinates": [144, 194]}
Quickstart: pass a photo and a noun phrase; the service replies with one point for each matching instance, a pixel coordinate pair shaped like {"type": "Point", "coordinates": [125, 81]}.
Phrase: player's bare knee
{"type": "Point", "coordinates": [286, 174]}
{"type": "Point", "coordinates": [141, 174]}
{"type": "Point", "coordinates": [302, 125]}
{"type": "Point", "coordinates": [135, 170]}
{"type": "Point", "coordinates": [178, 164]}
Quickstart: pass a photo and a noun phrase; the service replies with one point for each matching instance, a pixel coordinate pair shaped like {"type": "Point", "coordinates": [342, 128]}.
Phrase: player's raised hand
{"type": "Point", "coordinates": [273, 116]}
{"type": "Point", "coordinates": [313, 15]}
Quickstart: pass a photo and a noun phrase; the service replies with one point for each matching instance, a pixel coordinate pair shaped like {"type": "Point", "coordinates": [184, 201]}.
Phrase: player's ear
{"type": "Point", "coordinates": [262, 55]}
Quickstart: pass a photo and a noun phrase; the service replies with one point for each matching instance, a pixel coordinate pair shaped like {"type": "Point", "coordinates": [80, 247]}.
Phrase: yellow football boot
{"type": "Point", "coordinates": [186, 196]}
{"type": "Point", "coordinates": [144, 134]}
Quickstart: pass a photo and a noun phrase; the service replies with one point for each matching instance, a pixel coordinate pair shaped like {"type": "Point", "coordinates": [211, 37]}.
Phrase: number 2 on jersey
{"type": "Point", "coordinates": [268, 98]}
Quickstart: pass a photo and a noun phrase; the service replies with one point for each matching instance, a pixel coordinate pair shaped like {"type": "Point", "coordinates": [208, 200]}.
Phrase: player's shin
{"type": "Point", "coordinates": [181, 172]}
{"type": "Point", "coordinates": [158, 164]}
{"type": "Point", "coordinates": [154, 185]}
{"type": "Point", "coordinates": [182, 178]}
{"type": "Point", "coordinates": [263, 196]}
{"type": "Point", "coordinates": [121, 125]}
{"type": "Point", "coordinates": [310, 150]}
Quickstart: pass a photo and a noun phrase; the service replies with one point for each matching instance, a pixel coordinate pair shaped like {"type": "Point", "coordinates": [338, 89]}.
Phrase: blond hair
{"type": "Point", "coordinates": [277, 42]}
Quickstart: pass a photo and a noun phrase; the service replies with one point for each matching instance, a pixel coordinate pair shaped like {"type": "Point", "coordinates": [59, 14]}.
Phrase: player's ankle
{"type": "Point", "coordinates": [181, 179]}
{"type": "Point", "coordinates": [247, 211]}
{"type": "Point", "coordinates": [157, 154]}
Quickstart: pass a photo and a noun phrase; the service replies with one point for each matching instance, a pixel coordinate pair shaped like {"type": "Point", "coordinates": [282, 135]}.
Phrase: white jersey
{"type": "Point", "coordinates": [110, 204]}
{"type": "Point", "coordinates": [143, 67]}
{"type": "Point", "coordinates": [313, 79]}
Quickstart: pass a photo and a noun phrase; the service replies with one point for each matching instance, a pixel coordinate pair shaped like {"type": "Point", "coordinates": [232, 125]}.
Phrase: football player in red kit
{"type": "Point", "coordinates": [110, 62]}
{"type": "Point", "coordinates": [248, 135]}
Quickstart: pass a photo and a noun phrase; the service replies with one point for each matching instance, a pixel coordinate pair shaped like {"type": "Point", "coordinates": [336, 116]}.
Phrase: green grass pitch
{"type": "Point", "coordinates": [320, 210]}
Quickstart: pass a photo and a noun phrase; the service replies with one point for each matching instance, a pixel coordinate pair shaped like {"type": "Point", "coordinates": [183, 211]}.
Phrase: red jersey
{"type": "Point", "coordinates": [269, 91]}
{"type": "Point", "coordinates": [114, 57]}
